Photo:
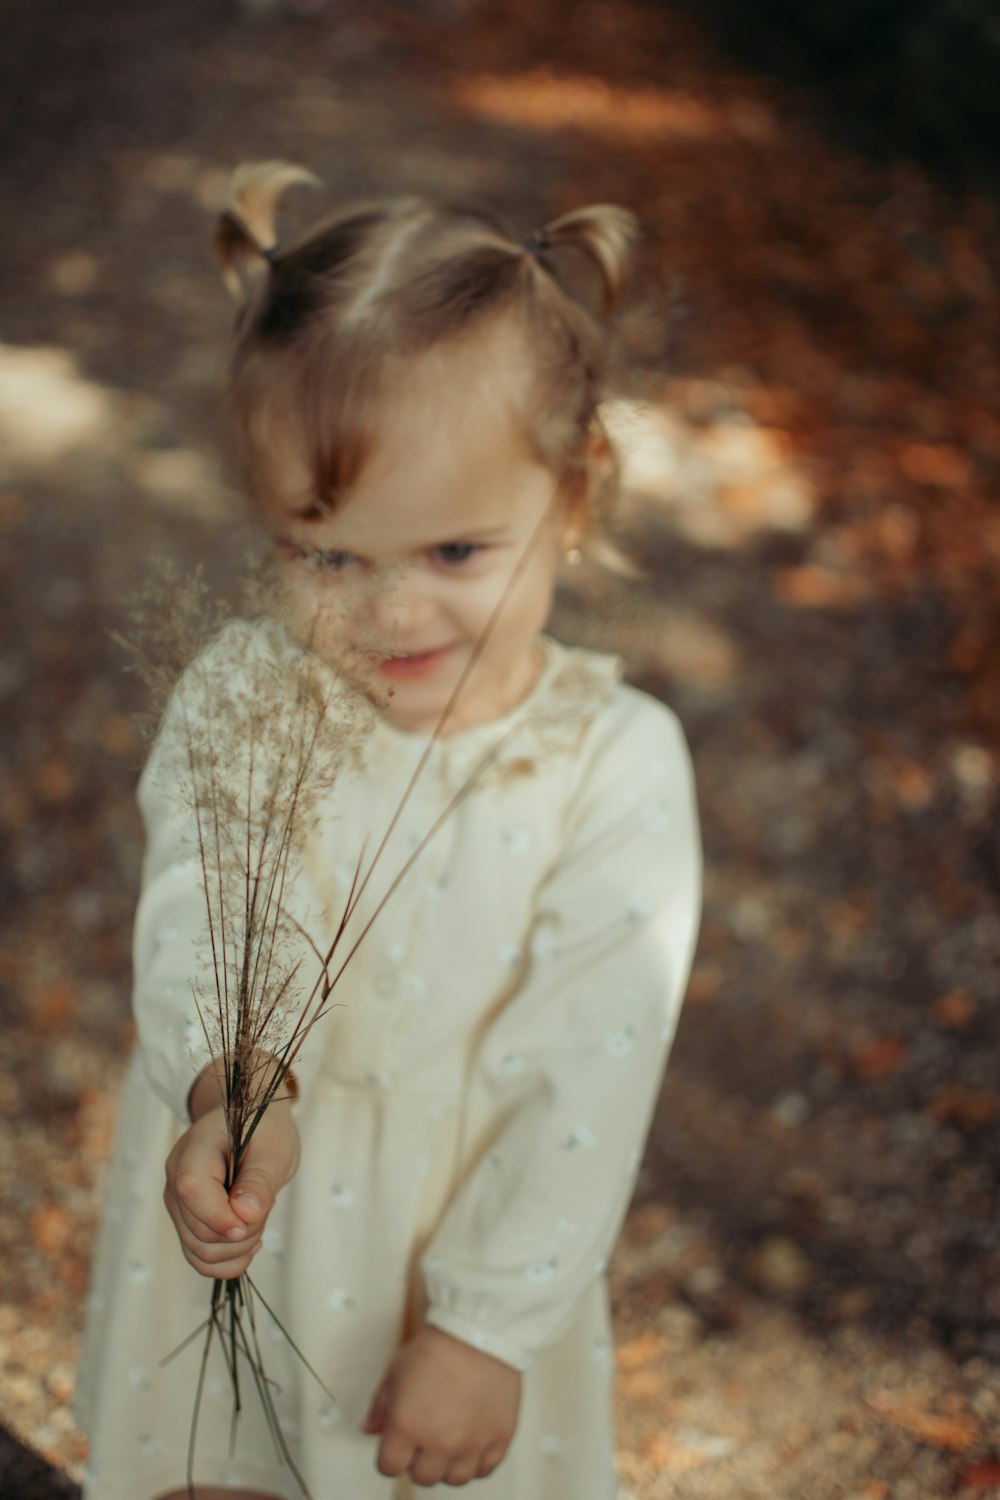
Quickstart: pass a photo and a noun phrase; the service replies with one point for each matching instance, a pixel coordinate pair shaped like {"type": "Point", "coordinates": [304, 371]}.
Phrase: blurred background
{"type": "Point", "coordinates": [808, 1289]}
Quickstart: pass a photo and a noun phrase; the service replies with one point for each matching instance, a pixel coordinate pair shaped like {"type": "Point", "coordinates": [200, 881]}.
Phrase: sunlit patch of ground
{"type": "Point", "coordinates": [57, 424]}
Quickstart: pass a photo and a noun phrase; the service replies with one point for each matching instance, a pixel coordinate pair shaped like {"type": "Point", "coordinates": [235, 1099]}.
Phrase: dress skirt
{"type": "Point", "coordinates": [346, 1287]}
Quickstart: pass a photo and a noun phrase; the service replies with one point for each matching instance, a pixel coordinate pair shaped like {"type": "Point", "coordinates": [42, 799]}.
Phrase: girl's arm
{"type": "Point", "coordinates": [171, 950]}
{"type": "Point", "coordinates": [573, 1063]}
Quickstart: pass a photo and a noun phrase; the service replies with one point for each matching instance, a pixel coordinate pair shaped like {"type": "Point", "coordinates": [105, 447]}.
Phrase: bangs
{"type": "Point", "coordinates": [303, 432]}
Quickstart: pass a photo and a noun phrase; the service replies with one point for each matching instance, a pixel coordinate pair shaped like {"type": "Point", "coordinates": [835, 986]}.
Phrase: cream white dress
{"type": "Point", "coordinates": [472, 1114]}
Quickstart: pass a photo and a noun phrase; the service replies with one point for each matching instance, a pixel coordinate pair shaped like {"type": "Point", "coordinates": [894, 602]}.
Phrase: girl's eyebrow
{"type": "Point", "coordinates": [312, 512]}
{"type": "Point", "coordinates": [474, 534]}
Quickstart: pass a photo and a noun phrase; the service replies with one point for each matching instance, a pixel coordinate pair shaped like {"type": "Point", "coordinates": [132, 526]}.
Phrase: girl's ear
{"type": "Point", "coordinates": [589, 475]}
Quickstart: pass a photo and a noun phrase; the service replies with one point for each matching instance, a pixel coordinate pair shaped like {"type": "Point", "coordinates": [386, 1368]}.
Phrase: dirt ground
{"type": "Point", "coordinates": [808, 1289]}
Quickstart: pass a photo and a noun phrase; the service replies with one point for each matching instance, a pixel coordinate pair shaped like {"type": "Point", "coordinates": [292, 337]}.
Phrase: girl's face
{"type": "Point", "coordinates": [451, 514]}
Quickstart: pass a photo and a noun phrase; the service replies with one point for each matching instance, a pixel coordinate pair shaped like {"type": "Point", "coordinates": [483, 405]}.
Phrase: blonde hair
{"type": "Point", "coordinates": [338, 308]}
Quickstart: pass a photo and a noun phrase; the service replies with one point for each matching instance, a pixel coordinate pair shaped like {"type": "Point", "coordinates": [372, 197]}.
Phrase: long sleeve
{"type": "Point", "coordinates": [565, 1078]}
{"type": "Point", "coordinates": [169, 940]}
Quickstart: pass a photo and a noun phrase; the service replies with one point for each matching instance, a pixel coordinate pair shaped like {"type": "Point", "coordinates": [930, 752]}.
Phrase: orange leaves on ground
{"type": "Point", "coordinates": [54, 1007]}
{"type": "Point", "coordinates": [813, 587]}
{"type": "Point", "coordinates": [51, 1228]}
{"type": "Point", "coordinates": [912, 783]}
{"type": "Point", "coordinates": [954, 1010]}
{"type": "Point", "coordinates": [640, 1352]}
{"type": "Point", "coordinates": [953, 1431]}
{"type": "Point", "coordinates": [984, 1476]}
{"type": "Point", "coordinates": [687, 1449]}
{"type": "Point", "coordinates": [706, 982]}
{"type": "Point", "coordinates": [642, 1367]}
{"type": "Point", "coordinates": [880, 1058]}
{"type": "Point", "coordinates": [968, 1109]}
{"type": "Point", "coordinates": [118, 736]}
{"type": "Point", "coordinates": [54, 783]}
{"type": "Point", "coordinates": [541, 100]}
{"type": "Point", "coordinates": [648, 1221]}
{"type": "Point", "coordinates": [938, 465]}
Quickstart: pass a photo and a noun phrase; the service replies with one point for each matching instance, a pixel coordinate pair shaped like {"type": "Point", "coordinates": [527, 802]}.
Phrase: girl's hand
{"type": "Point", "coordinates": [446, 1411]}
{"type": "Point", "coordinates": [220, 1232]}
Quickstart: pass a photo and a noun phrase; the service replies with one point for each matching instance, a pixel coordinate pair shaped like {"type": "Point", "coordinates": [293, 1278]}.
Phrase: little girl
{"type": "Point", "coordinates": [415, 395]}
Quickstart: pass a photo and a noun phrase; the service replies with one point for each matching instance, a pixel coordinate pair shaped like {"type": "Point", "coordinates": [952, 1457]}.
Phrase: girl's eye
{"type": "Point", "coordinates": [331, 562]}
{"type": "Point", "coordinates": [453, 553]}
{"type": "Point", "coordinates": [315, 558]}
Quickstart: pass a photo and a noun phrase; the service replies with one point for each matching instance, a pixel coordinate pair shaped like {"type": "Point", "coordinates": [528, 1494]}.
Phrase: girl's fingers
{"type": "Point", "coordinates": [224, 1228]}
{"type": "Point", "coordinates": [425, 1468]}
{"type": "Point", "coordinates": [203, 1195]}
{"type": "Point", "coordinates": [196, 1181]}
{"type": "Point", "coordinates": [184, 1219]}
{"type": "Point", "coordinates": [460, 1471]}
{"type": "Point", "coordinates": [490, 1459]}
{"type": "Point", "coordinates": [218, 1260]}
{"type": "Point", "coordinates": [395, 1455]}
{"type": "Point", "coordinates": [216, 1253]}
{"type": "Point", "coordinates": [226, 1270]}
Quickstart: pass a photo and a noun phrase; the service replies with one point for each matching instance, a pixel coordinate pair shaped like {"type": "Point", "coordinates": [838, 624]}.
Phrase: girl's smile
{"type": "Point", "coordinates": [415, 663]}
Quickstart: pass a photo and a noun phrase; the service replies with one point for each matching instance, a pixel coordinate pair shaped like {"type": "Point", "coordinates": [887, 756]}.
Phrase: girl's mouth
{"type": "Point", "coordinates": [415, 664]}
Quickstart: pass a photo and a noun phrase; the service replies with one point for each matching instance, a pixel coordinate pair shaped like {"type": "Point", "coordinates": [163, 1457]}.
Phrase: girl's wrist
{"type": "Point", "coordinates": [209, 1090]}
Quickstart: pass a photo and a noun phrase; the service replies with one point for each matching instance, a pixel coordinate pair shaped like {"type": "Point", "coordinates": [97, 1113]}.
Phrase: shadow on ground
{"type": "Point", "coordinates": [24, 1475]}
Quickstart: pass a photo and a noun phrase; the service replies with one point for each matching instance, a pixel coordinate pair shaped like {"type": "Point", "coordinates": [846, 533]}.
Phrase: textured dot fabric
{"type": "Point", "coordinates": [473, 1109]}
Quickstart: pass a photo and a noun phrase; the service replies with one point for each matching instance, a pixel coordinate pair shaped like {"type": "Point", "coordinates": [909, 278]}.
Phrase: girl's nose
{"type": "Point", "coordinates": [400, 603]}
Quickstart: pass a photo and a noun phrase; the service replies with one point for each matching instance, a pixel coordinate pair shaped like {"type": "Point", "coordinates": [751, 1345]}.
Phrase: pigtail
{"type": "Point", "coordinates": [245, 231]}
{"type": "Point", "coordinates": [603, 232]}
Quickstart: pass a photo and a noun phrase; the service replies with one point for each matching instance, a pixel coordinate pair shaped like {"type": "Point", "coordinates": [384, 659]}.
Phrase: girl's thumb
{"type": "Point", "coordinates": [252, 1196]}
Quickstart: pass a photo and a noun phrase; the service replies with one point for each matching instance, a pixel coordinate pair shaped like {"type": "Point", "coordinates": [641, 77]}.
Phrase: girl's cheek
{"type": "Point", "coordinates": [333, 626]}
{"type": "Point", "coordinates": [312, 616]}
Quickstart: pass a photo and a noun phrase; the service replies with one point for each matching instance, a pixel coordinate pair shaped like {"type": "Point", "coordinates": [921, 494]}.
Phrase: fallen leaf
{"type": "Point", "coordinates": [649, 1220]}
{"type": "Point", "coordinates": [704, 986]}
{"type": "Point", "coordinates": [913, 784]}
{"type": "Point", "coordinates": [969, 1109]}
{"type": "Point", "coordinates": [54, 783]}
{"type": "Point", "coordinates": [954, 1433]}
{"type": "Point", "coordinates": [51, 1227]}
{"type": "Point", "coordinates": [984, 1476]}
{"type": "Point", "coordinates": [814, 587]}
{"type": "Point", "coordinates": [640, 1385]}
{"type": "Point", "coordinates": [955, 1009]}
{"type": "Point", "coordinates": [935, 464]}
{"type": "Point", "coordinates": [117, 735]}
{"type": "Point", "coordinates": [663, 1452]}
{"type": "Point", "coordinates": [881, 1058]}
{"type": "Point", "coordinates": [640, 1351]}
{"type": "Point", "coordinates": [54, 1006]}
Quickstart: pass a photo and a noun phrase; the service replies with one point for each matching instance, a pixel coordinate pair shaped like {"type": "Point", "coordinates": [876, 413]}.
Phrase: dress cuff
{"type": "Point", "coordinates": [479, 1338]}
